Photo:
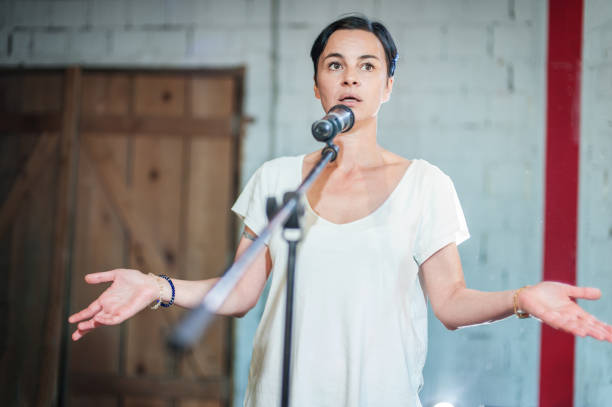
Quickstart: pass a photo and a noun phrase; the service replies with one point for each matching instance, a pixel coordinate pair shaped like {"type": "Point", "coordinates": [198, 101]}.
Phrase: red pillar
{"type": "Point", "coordinates": [561, 200]}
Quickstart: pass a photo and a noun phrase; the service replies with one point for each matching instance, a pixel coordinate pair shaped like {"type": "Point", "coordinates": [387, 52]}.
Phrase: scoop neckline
{"type": "Point", "coordinates": [365, 218]}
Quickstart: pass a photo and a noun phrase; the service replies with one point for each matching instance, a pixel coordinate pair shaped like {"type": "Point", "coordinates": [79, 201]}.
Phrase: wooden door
{"type": "Point", "coordinates": [36, 130]}
{"type": "Point", "coordinates": [157, 176]}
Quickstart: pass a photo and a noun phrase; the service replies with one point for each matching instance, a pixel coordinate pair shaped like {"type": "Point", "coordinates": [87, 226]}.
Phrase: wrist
{"type": "Point", "coordinates": [166, 294]}
{"type": "Point", "coordinates": [517, 302]}
{"type": "Point", "coordinates": [166, 291]}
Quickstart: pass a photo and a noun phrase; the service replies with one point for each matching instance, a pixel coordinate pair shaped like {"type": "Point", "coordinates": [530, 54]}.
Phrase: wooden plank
{"type": "Point", "coordinates": [159, 95]}
{"type": "Point", "coordinates": [29, 122]}
{"type": "Point", "coordinates": [199, 403]}
{"type": "Point", "coordinates": [47, 392]}
{"type": "Point", "coordinates": [35, 279]}
{"type": "Point", "coordinates": [145, 402]}
{"type": "Point", "coordinates": [212, 388]}
{"type": "Point", "coordinates": [93, 401]}
{"type": "Point", "coordinates": [207, 241]}
{"type": "Point", "coordinates": [99, 246]}
{"type": "Point", "coordinates": [40, 158]}
{"type": "Point", "coordinates": [155, 125]}
{"type": "Point", "coordinates": [106, 93]}
{"type": "Point", "coordinates": [213, 97]}
{"type": "Point", "coordinates": [13, 354]}
{"type": "Point", "coordinates": [123, 202]}
{"type": "Point", "coordinates": [43, 91]}
{"type": "Point", "coordinates": [27, 279]}
{"type": "Point", "coordinates": [11, 90]}
{"type": "Point", "coordinates": [155, 190]}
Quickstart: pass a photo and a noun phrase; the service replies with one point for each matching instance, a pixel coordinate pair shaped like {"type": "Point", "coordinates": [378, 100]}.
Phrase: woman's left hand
{"type": "Point", "coordinates": [552, 303]}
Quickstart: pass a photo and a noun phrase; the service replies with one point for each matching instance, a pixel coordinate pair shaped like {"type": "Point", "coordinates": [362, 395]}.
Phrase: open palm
{"type": "Point", "coordinates": [130, 292]}
{"type": "Point", "coordinates": [551, 302]}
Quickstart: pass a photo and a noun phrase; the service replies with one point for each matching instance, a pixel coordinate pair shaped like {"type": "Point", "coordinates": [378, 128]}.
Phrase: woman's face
{"type": "Point", "coordinates": [352, 70]}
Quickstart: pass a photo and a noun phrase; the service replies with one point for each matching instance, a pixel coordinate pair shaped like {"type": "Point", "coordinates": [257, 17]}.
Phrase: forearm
{"type": "Point", "coordinates": [467, 307]}
{"type": "Point", "coordinates": [189, 294]}
{"type": "Point", "coordinates": [242, 298]}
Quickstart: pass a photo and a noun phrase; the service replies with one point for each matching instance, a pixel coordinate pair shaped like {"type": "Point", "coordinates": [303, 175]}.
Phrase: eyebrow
{"type": "Point", "coordinates": [337, 55]}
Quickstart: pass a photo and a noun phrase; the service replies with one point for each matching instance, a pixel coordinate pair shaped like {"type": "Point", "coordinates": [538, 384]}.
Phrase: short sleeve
{"type": "Point", "coordinates": [442, 220]}
{"type": "Point", "coordinates": [251, 204]}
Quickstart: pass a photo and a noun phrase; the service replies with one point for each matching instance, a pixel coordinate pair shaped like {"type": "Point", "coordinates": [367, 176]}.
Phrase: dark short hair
{"type": "Point", "coordinates": [357, 22]}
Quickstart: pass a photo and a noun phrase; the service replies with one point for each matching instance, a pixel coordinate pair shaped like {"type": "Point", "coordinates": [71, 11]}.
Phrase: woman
{"type": "Point", "coordinates": [380, 236]}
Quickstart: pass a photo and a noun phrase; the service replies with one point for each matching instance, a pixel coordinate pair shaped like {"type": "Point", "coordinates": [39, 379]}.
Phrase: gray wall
{"type": "Point", "coordinates": [469, 97]}
{"type": "Point", "coordinates": [593, 385]}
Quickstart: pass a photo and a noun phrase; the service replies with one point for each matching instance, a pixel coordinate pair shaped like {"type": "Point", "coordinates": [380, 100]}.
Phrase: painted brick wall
{"type": "Point", "coordinates": [593, 385]}
{"type": "Point", "coordinates": [468, 97]}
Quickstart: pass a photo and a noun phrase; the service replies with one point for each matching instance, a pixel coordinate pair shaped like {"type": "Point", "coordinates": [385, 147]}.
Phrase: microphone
{"type": "Point", "coordinates": [339, 119]}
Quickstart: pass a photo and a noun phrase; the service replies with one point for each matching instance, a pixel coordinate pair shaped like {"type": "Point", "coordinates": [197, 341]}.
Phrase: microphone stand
{"type": "Point", "coordinates": [193, 325]}
{"type": "Point", "coordinates": [292, 233]}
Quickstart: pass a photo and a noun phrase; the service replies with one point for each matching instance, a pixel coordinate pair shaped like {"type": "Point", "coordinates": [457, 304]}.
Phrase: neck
{"type": "Point", "coordinates": [358, 148]}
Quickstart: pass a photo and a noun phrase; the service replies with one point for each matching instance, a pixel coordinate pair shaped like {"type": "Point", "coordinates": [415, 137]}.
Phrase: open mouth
{"type": "Point", "coordinates": [349, 98]}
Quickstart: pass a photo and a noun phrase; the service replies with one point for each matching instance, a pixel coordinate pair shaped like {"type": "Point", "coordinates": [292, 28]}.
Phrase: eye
{"type": "Point", "coordinates": [334, 66]}
{"type": "Point", "coordinates": [367, 67]}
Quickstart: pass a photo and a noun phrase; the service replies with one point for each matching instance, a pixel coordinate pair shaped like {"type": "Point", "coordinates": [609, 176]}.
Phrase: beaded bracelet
{"type": "Point", "coordinates": [169, 303]}
{"type": "Point", "coordinates": [159, 301]}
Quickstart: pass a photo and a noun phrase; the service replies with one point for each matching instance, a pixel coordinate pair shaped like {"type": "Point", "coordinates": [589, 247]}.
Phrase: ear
{"type": "Point", "coordinates": [388, 90]}
{"type": "Point", "coordinates": [316, 91]}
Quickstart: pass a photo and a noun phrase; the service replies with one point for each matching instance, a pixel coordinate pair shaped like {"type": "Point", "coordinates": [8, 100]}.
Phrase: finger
{"type": "Point", "coordinates": [87, 313]}
{"type": "Point", "coordinates": [88, 325]}
{"type": "Point", "coordinates": [115, 314]}
{"type": "Point", "coordinates": [586, 316]}
{"type": "Point", "coordinates": [79, 333]}
{"type": "Point", "coordinates": [587, 293]}
{"type": "Point", "coordinates": [606, 331]}
{"type": "Point", "coordinates": [76, 335]}
{"type": "Point", "coordinates": [101, 277]}
{"type": "Point", "coordinates": [593, 329]}
{"type": "Point", "coordinates": [574, 327]}
{"type": "Point", "coordinates": [108, 319]}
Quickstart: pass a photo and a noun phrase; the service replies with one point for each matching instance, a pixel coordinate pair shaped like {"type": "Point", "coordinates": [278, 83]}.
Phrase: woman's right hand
{"type": "Point", "coordinates": [130, 292]}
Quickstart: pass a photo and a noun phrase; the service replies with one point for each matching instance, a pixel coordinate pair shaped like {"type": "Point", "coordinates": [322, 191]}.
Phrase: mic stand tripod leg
{"type": "Point", "coordinates": [292, 233]}
{"type": "Point", "coordinates": [288, 323]}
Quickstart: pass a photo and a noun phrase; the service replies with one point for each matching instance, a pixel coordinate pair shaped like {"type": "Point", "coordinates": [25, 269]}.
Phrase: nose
{"type": "Point", "coordinates": [350, 77]}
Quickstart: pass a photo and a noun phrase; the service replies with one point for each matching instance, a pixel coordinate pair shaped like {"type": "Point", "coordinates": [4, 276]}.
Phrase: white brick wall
{"type": "Point", "coordinates": [5, 13]}
{"type": "Point", "coordinates": [68, 13]}
{"type": "Point", "coordinates": [21, 45]}
{"type": "Point", "coordinates": [4, 40]}
{"type": "Point", "coordinates": [147, 12]}
{"type": "Point", "coordinates": [109, 13]}
{"type": "Point", "coordinates": [515, 41]}
{"type": "Point", "coordinates": [467, 40]}
{"type": "Point", "coordinates": [149, 46]}
{"type": "Point", "coordinates": [593, 370]}
{"type": "Point", "coordinates": [31, 13]}
{"type": "Point", "coordinates": [90, 45]}
{"type": "Point", "coordinates": [420, 41]}
{"type": "Point", "coordinates": [217, 46]}
{"type": "Point", "coordinates": [50, 45]}
{"type": "Point", "coordinates": [305, 12]}
{"type": "Point", "coordinates": [182, 12]}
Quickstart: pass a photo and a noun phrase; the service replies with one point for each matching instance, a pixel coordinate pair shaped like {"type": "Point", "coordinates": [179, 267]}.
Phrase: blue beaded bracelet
{"type": "Point", "coordinates": [169, 303]}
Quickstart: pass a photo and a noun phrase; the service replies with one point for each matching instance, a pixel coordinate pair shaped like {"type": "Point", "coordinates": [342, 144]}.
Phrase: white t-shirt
{"type": "Point", "coordinates": [360, 315]}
